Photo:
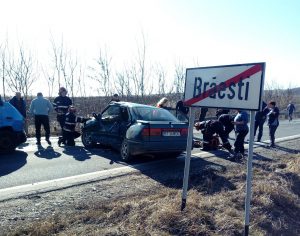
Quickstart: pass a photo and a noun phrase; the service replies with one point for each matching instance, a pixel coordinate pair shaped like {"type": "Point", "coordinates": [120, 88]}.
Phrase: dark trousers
{"type": "Point", "coordinates": [272, 130]}
{"type": "Point", "coordinates": [260, 125]}
{"type": "Point", "coordinates": [69, 136]}
{"type": "Point", "coordinates": [239, 141]}
{"type": "Point", "coordinates": [290, 116]}
{"type": "Point", "coordinates": [227, 131]}
{"type": "Point", "coordinates": [40, 120]}
{"type": "Point", "coordinates": [61, 120]}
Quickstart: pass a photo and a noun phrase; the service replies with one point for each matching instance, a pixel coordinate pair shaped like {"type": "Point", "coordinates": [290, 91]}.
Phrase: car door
{"type": "Point", "coordinates": [111, 120]}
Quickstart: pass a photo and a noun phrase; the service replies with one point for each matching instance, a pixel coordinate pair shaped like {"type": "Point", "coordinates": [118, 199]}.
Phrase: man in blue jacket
{"type": "Point", "coordinates": [40, 107]}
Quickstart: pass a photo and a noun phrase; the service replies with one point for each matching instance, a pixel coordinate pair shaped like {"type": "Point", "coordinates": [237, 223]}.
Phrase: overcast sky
{"type": "Point", "coordinates": [194, 32]}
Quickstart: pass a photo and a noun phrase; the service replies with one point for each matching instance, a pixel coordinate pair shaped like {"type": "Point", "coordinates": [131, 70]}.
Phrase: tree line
{"type": "Point", "coordinates": [20, 69]}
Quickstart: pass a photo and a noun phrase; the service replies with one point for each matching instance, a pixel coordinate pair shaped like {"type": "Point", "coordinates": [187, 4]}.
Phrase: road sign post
{"type": "Point", "coordinates": [188, 157]}
{"type": "Point", "coordinates": [249, 174]}
{"type": "Point", "coordinates": [232, 87]}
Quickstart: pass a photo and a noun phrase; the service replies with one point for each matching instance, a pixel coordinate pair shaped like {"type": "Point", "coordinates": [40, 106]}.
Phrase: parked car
{"type": "Point", "coordinates": [136, 129]}
{"type": "Point", "coordinates": [11, 127]}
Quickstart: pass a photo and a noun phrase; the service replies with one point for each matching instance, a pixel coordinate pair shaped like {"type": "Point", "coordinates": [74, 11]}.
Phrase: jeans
{"type": "Point", "coordinates": [239, 141]}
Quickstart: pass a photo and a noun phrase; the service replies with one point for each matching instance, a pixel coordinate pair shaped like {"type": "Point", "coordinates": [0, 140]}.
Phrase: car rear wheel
{"type": "Point", "coordinates": [7, 143]}
{"type": "Point", "coordinates": [87, 140]}
{"type": "Point", "coordinates": [125, 151]}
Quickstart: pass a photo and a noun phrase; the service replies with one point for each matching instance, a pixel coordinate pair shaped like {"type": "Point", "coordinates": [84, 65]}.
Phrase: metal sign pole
{"type": "Point", "coordinates": [188, 157]}
{"type": "Point", "coordinates": [249, 174]}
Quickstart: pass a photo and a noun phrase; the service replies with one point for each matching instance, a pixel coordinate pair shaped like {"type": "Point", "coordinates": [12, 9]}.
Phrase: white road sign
{"type": "Point", "coordinates": [230, 86]}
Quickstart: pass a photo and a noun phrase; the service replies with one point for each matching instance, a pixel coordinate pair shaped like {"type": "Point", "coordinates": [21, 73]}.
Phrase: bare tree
{"type": "Point", "coordinates": [160, 77]}
{"type": "Point", "coordinates": [3, 59]}
{"type": "Point", "coordinates": [66, 67]}
{"type": "Point", "coordinates": [21, 72]}
{"type": "Point", "coordinates": [102, 73]}
{"type": "Point", "coordinates": [273, 91]}
{"type": "Point", "coordinates": [57, 59]}
{"type": "Point", "coordinates": [179, 78]}
{"type": "Point", "coordinates": [139, 70]}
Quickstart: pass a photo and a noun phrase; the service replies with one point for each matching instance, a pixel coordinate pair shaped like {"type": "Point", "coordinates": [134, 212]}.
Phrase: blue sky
{"type": "Point", "coordinates": [194, 33]}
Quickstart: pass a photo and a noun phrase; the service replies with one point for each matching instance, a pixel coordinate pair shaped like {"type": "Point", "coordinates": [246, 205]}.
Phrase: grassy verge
{"type": "Point", "coordinates": [215, 206]}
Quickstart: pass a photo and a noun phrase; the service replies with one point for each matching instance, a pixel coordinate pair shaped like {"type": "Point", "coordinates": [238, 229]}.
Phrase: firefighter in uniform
{"type": "Point", "coordinates": [61, 105]}
{"type": "Point", "coordinates": [69, 132]}
{"type": "Point", "coordinates": [226, 121]}
{"type": "Point", "coordinates": [208, 129]}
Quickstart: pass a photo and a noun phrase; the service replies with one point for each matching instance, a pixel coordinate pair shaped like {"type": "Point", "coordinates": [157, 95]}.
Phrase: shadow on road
{"type": "Point", "coordinates": [78, 153]}
{"type": "Point", "coordinates": [47, 153]}
{"type": "Point", "coordinates": [12, 162]}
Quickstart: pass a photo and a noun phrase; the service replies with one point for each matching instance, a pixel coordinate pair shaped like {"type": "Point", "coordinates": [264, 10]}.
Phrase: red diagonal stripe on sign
{"type": "Point", "coordinates": [234, 80]}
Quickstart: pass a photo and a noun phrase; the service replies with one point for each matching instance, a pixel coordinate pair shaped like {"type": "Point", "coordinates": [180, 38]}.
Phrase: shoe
{"type": "Point", "coordinates": [258, 140]}
{"type": "Point", "coordinates": [60, 141]}
{"type": "Point", "coordinates": [271, 146]}
{"type": "Point", "coordinates": [48, 141]}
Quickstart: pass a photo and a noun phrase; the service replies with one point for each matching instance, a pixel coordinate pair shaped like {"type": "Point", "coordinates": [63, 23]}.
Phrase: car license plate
{"type": "Point", "coordinates": [171, 133]}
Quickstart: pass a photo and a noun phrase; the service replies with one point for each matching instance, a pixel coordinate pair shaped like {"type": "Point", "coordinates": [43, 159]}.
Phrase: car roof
{"type": "Point", "coordinates": [131, 104]}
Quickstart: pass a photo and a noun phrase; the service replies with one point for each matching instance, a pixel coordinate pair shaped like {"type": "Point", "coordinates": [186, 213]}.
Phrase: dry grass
{"type": "Point", "coordinates": [215, 207]}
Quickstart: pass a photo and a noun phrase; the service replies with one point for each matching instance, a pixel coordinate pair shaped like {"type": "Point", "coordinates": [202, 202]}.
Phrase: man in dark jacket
{"type": "Point", "coordinates": [18, 102]}
{"type": "Point", "coordinates": [273, 121]}
{"type": "Point", "coordinates": [61, 105]}
{"type": "Point", "coordinates": [181, 111]}
{"type": "Point", "coordinates": [227, 122]}
{"type": "Point", "coordinates": [208, 129]}
{"type": "Point", "coordinates": [219, 112]}
{"type": "Point", "coordinates": [260, 118]}
{"type": "Point", "coordinates": [69, 133]}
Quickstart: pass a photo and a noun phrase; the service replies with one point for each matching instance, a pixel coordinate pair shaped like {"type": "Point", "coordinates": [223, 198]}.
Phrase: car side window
{"type": "Point", "coordinates": [110, 113]}
{"type": "Point", "coordinates": [124, 114]}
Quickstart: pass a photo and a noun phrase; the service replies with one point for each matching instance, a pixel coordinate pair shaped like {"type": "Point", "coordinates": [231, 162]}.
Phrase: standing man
{"type": "Point", "coordinates": [203, 112]}
{"type": "Point", "coordinates": [273, 122]}
{"type": "Point", "coordinates": [61, 105]}
{"type": "Point", "coordinates": [40, 107]}
{"type": "Point", "coordinates": [291, 108]}
{"type": "Point", "coordinates": [18, 102]}
{"type": "Point", "coordinates": [241, 130]}
{"type": "Point", "coordinates": [115, 98]}
{"type": "Point", "coordinates": [260, 118]}
{"type": "Point", "coordinates": [181, 111]}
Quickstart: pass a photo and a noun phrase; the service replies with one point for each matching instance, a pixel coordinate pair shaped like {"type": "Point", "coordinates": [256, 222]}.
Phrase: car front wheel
{"type": "Point", "coordinates": [87, 140]}
{"type": "Point", "coordinates": [7, 142]}
{"type": "Point", "coordinates": [125, 151]}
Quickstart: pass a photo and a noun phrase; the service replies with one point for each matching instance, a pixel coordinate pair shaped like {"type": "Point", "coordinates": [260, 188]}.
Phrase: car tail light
{"type": "Point", "coordinates": [184, 132]}
{"type": "Point", "coordinates": [151, 132]}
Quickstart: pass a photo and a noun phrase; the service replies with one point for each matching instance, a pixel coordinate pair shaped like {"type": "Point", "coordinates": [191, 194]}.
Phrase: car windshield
{"type": "Point", "coordinates": [153, 114]}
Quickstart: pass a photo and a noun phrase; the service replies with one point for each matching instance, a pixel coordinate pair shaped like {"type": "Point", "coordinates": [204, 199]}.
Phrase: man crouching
{"type": "Point", "coordinates": [69, 133]}
{"type": "Point", "coordinates": [208, 129]}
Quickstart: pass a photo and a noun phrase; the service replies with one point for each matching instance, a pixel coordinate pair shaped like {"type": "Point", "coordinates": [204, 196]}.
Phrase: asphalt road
{"type": "Point", "coordinates": [30, 164]}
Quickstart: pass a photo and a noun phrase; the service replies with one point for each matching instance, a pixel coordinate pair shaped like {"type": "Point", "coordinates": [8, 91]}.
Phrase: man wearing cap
{"type": "Point", "coordinates": [61, 105]}
{"type": "Point", "coordinates": [40, 107]}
